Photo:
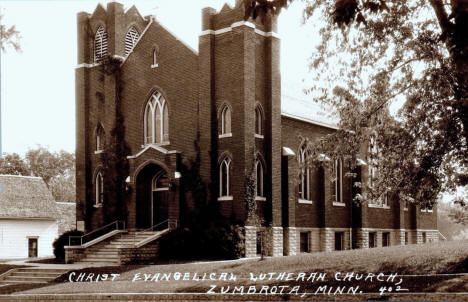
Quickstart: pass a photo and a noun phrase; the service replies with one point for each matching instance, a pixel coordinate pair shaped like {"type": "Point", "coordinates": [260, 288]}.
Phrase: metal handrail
{"type": "Point", "coordinates": [96, 230]}
{"type": "Point", "coordinates": [152, 227]}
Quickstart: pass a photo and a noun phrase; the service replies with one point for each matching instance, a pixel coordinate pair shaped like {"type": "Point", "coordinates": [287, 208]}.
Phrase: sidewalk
{"type": "Point", "coordinates": [72, 266]}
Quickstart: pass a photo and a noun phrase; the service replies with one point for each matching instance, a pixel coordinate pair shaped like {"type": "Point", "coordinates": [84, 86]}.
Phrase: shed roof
{"type": "Point", "coordinates": [25, 197]}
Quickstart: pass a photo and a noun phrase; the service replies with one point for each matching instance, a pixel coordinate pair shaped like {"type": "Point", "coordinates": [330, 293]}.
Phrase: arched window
{"type": "Point", "coordinates": [372, 156]}
{"type": "Point", "coordinates": [131, 39]}
{"type": "Point", "coordinates": [338, 179]}
{"type": "Point", "coordinates": [156, 120]}
{"type": "Point", "coordinates": [259, 184]}
{"type": "Point", "coordinates": [99, 138]}
{"type": "Point", "coordinates": [155, 58]}
{"type": "Point", "coordinates": [100, 44]}
{"type": "Point", "coordinates": [224, 177]}
{"type": "Point", "coordinates": [258, 121]}
{"type": "Point", "coordinates": [160, 182]}
{"type": "Point", "coordinates": [305, 174]}
{"type": "Point", "coordinates": [226, 120]}
{"type": "Point", "coordinates": [99, 187]}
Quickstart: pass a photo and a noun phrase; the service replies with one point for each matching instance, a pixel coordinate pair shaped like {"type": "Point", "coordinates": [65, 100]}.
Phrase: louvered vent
{"type": "Point", "coordinates": [130, 40]}
{"type": "Point", "coordinates": [100, 44]}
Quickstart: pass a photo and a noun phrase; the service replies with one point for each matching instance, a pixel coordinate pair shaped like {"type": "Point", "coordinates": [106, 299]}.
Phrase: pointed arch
{"type": "Point", "coordinates": [338, 179]}
{"type": "Point", "coordinates": [100, 137]}
{"type": "Point", "coordinates": [131, 38]}
{"type": "Point", "coordinates": [259, 176]}
{"type": "Point", "coordinates": [225, 177]}
{"type": "Point", "coordinates": [259, 120]}
{"type": "Point", "coordinates": [305, 173]}
{"type": "Point", "coordinates": [99, 189]}
{"type": "Point", "coordinates": [100, 44]}
{"type": "Point", "coordinates": [156, 120]}
{"type": "Point", "coordinates": [226, 116]}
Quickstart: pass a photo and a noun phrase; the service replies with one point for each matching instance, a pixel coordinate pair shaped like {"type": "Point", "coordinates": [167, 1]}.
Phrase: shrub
{"type": "Point", "coordinates": [62, 241]}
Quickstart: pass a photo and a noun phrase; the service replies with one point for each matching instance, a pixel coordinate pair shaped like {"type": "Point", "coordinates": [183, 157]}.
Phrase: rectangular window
{"type": "Point", "coordinates": [424, 237]}
{"type": "Point", "coordinates": [372, 240]}
{"type": "Point", "coordinates": [385, 239]}
{"type": "Point", "coordinates": [339, 237]}
{"type": "Point", "coordinates": [304, 242]}
{"type": "Point", "coordinates": [259, 243]}
{"type": "Point", "coordinates": [32, 247]}
{"type": "Point", "coordinates": [406, 238]}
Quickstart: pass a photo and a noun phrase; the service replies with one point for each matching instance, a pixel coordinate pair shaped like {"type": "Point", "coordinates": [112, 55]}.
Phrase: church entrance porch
{"type": "Point", "coordinates": [154, 197]}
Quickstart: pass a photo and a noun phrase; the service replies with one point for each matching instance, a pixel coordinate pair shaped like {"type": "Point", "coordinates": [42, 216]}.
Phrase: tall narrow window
{"type": "Point", "coordinates": [226, 120]}
{"type": "Point", "coordinates": [99, 184]}
{"type": "Point", "coordinates": [305, 174]}
{"type": "Point", "coordinates": [99, 138]}
{"type": "Point", "coordinates": [259, 178]}
{"type": "Point", "coordinates": [156, 120]}
{"type": "Point", "coordinates": [338, 180]}
{"type": "Point", "coordinates": [372, 155]}
{"type": "Point", "coordinates": [224, 177]}
{"type": "Point", "coordinates": [155, 58]}
{"type": "Point", "coordinates": [131, 38]}
{"type": "Point", "coordinates": [258, 121]}
{"type": "Point", "coordinates": [100, 44]}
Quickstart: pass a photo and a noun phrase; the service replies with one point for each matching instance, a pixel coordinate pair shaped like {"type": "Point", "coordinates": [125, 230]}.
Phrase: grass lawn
{"type": "Point", "coordinates": [422, 260]}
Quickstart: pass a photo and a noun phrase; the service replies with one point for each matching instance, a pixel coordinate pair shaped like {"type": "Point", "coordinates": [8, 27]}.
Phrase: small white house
{"type": "Point", "coordinates": [28, 217]}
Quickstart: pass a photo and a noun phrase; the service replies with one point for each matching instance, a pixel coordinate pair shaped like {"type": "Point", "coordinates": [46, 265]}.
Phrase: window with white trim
{"type": "Point", "coordinates": [259, 183]}
{"type": "Point", "coordinates": [338, 180]}
{"type": "Point", "coordinates": [225, 120]}
{"type": "Point", "coordinates": [100, 44]}
{"type": "Point", "coordinates": [258, 121]}
{"type": "Point", "coordinates": [99, 138]}
{"type": "Point", "coordinates": [372, 154]}
{"type": "Point", "coordinates": [99, 188]}
{"type": "Point", "coordinates": [305, 174]}
{"type": "Point", "coordinates": [131, 38]}
{"type": "Point", "coordinates": [156, 120]}
{"type": "Point", "coordinates": [224, 177]}
{"type": "Point", "coordinates": [160, 182]}
{"type": "Point", "coordinates": [155, 58]}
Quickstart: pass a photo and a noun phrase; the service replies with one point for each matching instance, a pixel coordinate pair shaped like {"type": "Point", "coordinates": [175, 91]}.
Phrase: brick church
{"type": "Point", "coordinates": [228, 91]}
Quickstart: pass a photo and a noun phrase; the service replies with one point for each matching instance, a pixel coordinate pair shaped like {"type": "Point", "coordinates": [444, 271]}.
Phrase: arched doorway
{"type": "Point", "coordinates": [152, 198]}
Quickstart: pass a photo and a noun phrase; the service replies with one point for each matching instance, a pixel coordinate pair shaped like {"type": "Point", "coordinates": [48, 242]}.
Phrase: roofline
{"type": "Point", "coordinates": [151, 19]}
{"type": "Point", "coordinates": [66, 202]}
{"type": "Point", "coordinates": [22, 176]}
{"type": "Point", "coordinates": [294, 117]}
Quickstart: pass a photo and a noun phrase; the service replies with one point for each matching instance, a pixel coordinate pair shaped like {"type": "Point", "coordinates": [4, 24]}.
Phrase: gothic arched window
{"type": "Point", "coordinates": [226, 120]}
{"type": "Point", "coordinates": [258, 121]}
{"type": "Point", "coordinates": [160, 182]}
{"type": "Point", "coordinates": [259, 183]}
{"type": "Point", "coordinates": [338, 179]}
{"type": "Point", "coordinates": [224, 177]}
{"type": "Point", "coordinates": [131, 38]}
{"type": "Point", "coordinates": [100, 44]}
{"type": "Point", "coordinates": [99, 138]}
{"type": "Point", "coordinates": [99, 188]}
{"type": "Point", "coordinates": [156, 120]}
{"type": "Point", "coordinates": [305, 174]}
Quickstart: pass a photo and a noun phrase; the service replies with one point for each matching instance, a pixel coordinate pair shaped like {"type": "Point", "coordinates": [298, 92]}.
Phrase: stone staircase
{"type": "Point", "coordinates": [110, 252]}
{"type": "Point", "coordinates": [32, 275]}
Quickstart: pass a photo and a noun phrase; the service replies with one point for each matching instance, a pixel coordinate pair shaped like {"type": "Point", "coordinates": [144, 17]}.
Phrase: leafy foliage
{"type": "Point", "coordinates": [9, 36]}
{"type": "Point", "coordinates": [56, 168]}
{"type": "Point", "coordinates": [62, 241]}
{"type": "Point", "coordinates": [387, 54]}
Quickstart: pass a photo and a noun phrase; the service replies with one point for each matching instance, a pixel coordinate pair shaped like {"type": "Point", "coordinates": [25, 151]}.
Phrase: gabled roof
{"type": "Point", "coordinates": [25, 197]}
{"type": "Point", "coordinates": [306, 110]}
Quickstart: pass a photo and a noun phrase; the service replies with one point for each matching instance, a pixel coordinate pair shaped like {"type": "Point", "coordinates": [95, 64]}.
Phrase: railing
{"type": "Point", "coordinates": [159, 227]}
{"type": "Point", "coordinates": [443, 237]}
{"type": "Point", "coordinates": [80, 240]}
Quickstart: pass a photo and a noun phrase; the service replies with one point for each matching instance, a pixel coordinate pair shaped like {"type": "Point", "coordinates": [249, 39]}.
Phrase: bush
{"type": "Point", "coordinates": [194, 243]}
{"type": "Point", "coordinates": [62, 241]}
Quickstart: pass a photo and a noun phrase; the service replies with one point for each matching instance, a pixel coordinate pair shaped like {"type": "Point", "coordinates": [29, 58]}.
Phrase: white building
{"type": "Point", "coordinates": [28, 217]}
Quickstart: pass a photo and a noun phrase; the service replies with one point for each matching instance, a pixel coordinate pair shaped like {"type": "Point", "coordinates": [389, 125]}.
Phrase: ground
{"type": "Point", "coordinates": [430, 271]}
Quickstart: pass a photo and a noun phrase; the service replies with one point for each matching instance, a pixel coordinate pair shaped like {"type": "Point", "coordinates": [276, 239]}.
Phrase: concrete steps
{"type": "Point", "coordinates": [108, 252]}
{"type": "Point", "coordinates": [32, 275]}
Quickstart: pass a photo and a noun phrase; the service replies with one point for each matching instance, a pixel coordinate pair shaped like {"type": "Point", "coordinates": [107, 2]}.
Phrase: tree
{"type": "Point", "coordinates": [48, 165]}
{"type": "Point", "coordinates": [13, 164]}
{"type": "Point", "coordinates": [383, 52]}
{"type": "Point", "coordinates": [9, 37]}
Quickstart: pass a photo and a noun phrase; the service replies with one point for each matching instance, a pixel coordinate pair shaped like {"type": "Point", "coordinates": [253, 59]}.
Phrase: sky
{"type": "Point", "coordinates": [38, 84]}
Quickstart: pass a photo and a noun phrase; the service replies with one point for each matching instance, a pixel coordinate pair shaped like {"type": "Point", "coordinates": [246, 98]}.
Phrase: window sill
{"type": "Point", "coordinates": [225, 198]}
{"type": "Point", "coordinates": [370, 205]}
{"type": "Point", "coordinates": [260, 198]}
{"type": "Point", "coordinates": [98, 151]}
{"type": "Point", "coordinates": [156, 145]}
{"type": "Point", "coordinates": [259, 136]}
{"type": "Point", "coordinates": [99, 205]}
{"type": "Point", "coordinates": [154, 65]}
{"type": "Point", "coordinates": [339, 204]}
{"type": "Point", "coordinates": [225, 135]}
{"type": "Point", "coordinates": [304, 201]}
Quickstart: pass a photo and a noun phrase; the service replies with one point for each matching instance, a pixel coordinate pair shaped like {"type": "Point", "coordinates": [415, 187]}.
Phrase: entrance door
{"type": "Point", "coordinates": [160, 200]}
{"type": "Point", "coordinates": [32, 247]}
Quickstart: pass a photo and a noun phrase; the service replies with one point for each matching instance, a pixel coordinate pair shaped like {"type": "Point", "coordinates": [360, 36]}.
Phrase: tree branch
{"type": "Point", "coordinates": [442, 17]}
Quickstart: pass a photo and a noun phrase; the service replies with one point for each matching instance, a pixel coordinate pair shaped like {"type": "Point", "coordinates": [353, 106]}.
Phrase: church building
{"type": "Point", "coordinates": [226, 96]}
